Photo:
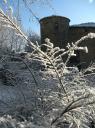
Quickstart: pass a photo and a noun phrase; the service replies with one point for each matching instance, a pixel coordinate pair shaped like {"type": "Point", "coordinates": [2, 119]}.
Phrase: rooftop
{"type": "Point", "coordinates": [89, 24]}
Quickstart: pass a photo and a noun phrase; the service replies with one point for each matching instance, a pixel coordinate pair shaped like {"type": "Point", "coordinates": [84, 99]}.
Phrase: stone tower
{"type": "Point", "coordinates": [56, 29]}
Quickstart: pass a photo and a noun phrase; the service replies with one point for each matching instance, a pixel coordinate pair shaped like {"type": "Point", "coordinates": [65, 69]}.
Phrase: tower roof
{"type": "Point", "coordinates": [54, 16]}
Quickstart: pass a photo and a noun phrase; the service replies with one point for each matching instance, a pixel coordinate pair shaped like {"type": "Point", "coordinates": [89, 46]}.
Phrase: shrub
{"type": "Point", "coordinates": [73, 103]}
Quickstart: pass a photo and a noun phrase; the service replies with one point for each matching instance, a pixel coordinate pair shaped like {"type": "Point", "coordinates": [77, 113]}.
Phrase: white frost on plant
{"type": "Point", "coordinates": [91, 91]}
{"type": "Point", "coordinates": [72, 53]}
{"type": "Point", "coordinates": [91, 35]}
{"type": "Point", "coordinates": [85, 49]}
{"type": "Point", "coordinates": [47, 40]}
{"type": "Point", "coordinates": [5, 1]}
{"type": "Point", "coordinates": [1, 10]}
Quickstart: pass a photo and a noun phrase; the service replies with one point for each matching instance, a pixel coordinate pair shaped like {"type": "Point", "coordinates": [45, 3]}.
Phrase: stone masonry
{"type": "Point", "coordinates": [57, 28]}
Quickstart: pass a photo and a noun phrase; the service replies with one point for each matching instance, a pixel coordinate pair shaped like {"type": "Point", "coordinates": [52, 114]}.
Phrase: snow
{"type": "Point", "coordinates": [26, 97]}
{"type": "Point", "coordinates": [89, 24]}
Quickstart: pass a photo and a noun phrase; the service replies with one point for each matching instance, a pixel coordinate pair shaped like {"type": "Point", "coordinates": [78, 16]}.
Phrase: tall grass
{"type": "Point", "coordinates": [74, 100]}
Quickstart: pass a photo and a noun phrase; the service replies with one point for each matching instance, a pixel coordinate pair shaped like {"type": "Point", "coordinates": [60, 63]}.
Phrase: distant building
{"type": "Point", "coordinates": [57, 28]}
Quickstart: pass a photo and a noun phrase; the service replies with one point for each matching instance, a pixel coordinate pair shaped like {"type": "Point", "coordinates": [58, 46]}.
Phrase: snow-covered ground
{"type": "Point", "coordinates": [22, 91]}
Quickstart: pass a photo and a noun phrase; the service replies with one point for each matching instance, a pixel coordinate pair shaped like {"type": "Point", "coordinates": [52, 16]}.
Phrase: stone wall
{"type": "Point", "coordinates": [75, 33]}
{"type": "Point", "coordinates": [58, 30]}
{"type": "Point", "coordinates": [55, 28]}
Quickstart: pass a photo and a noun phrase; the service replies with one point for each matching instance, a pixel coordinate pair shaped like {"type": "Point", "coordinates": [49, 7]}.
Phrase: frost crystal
{"type": "Point", "coordinates": [47, 40]}
{"type": "Point", "coordinates": [91, 35]}
{"type": "Point", "coordinates": [85, 49]}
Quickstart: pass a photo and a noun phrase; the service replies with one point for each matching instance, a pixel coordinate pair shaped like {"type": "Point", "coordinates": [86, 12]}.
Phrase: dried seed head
{"type": "Point", "coordinates": [91, 35]}
{"type": "Point", "coordinates": [72, 53]}
{"type": "Point", "coordinates": [68, 45]}
{"type": "Point", "coordinates": [47, 40]}
{"type": "Point", "coordinates": [86, 49]}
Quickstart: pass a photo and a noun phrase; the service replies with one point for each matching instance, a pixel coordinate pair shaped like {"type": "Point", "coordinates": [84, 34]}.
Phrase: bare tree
{"type": "Point", "coordinates": [33, 37]}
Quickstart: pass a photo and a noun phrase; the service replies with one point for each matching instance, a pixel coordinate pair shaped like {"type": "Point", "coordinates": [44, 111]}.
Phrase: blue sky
{"type": "Point", "coordinates": [78, 11]}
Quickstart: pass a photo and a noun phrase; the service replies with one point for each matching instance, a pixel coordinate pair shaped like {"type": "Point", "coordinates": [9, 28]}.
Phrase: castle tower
{"type": "Point", "coordinates": [56, 29]}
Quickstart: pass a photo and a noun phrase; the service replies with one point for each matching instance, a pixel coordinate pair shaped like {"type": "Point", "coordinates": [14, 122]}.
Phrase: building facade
{"type": "Point", "coordinates": [58, 30]}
